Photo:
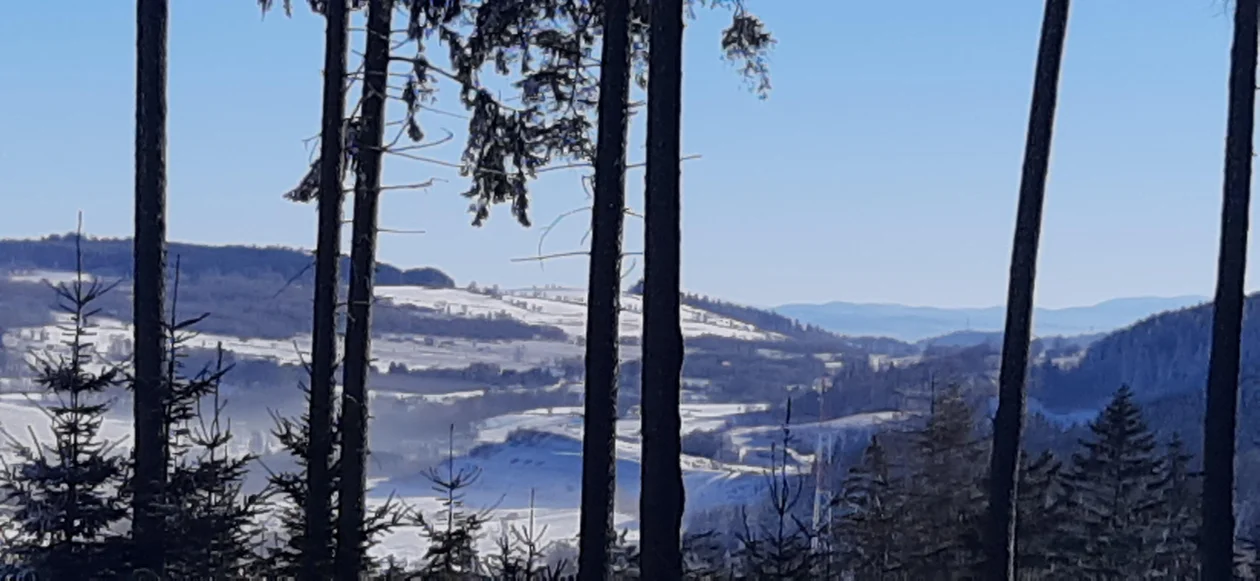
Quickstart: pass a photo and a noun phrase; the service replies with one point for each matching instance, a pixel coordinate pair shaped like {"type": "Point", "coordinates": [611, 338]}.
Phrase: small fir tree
{"type": "Point", "coordinates": [214, 527]}
{"type": "Point", "coordinates": [210, 522]}
{"type": "Point", "coordinates": [452, 534]}
{"type": "Point", "coordinates": [282, 556]}
{"type": "Point", "coordinates": [781, 545]}
{"type": "Point", "coordinates": [65, 493]}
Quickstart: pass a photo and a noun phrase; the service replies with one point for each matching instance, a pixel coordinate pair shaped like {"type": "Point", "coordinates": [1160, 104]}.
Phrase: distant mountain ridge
{"type": "Point", "coordinates": [910, 323]}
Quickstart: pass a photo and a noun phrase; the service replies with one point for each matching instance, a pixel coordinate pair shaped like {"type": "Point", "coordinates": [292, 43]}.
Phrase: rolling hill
{"type": "Point", "coordinates": [1162, 355]}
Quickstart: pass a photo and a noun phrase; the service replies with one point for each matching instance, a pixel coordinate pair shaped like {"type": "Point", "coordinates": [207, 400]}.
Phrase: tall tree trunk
{"type": "Point", "coordinates": [149, 283]}
{"type": "Point", "coordinates": [367, 191]}
{"type": "Point", "coordinates": [661, 500]}
{"type": "Point", "coordinates": [316, 554]}
{"type": "Point", "coordinates": [1217, 546]}
{"type": "Point", "coordinates": [1008, 425]}
{"type": "Point", "coordinates": [599, 439]}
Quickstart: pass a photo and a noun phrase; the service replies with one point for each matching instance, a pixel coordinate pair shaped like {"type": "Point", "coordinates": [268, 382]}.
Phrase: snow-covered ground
{"type": "Point", "coordinates": [754, 443]}
{"type": "Point", "coordinates": [48, 277]}
{"type": "Point", "coordinates": [111, 334]}
{"type": "Point", "coordinates": [533, 458]}
{"type": "Point", "coordinates": [565, 309]}
{"type": "Point", "coordinates": [525, 459]}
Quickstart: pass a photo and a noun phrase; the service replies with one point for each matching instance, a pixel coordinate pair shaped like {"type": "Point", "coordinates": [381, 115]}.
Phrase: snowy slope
{"type": "Point", "coordinates": [534, 454]}
{"type": "Point", "coordinates": [565, 309]}
{"type": "Point", "coordinates": [754, 443]}
{"type": "Point", "coordinates": [534, 458]}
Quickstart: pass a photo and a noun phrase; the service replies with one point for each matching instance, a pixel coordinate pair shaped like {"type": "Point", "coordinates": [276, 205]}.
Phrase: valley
{"type": "Point", "coordinates": [488, 382]}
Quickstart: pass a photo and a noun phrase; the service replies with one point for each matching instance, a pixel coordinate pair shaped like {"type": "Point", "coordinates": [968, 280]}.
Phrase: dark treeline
{"type": "Point", "coordinates": [112, 258]}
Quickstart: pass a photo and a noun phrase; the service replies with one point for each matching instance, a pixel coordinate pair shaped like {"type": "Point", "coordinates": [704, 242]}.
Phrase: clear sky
{"type": "Point", "coordinates": [883, 167]}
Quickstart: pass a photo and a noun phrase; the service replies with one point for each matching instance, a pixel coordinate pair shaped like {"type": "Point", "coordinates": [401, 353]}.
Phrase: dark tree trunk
{"type": "Point", "coordinates": [599, 440]}
{"type": "Point", "coordinates": [367, 191]}
{"type": "Point", "coordinates": [1217, 546]}
{"type": "Point", "coordinates": [316, 556]}
{"type": "Point", "coordinates": [662, 497]}
{"type": "Point", "coordinates": [150, 284]}
{"type": "Point", "coordinates": [1008, 425]}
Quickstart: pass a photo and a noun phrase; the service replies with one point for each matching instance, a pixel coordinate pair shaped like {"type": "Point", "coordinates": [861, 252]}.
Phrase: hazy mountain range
{"type": "Point", "coordinates": [916, 323]}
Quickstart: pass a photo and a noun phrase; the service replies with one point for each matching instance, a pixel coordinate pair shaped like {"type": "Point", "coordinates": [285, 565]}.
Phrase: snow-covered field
{"type": "Point", "coordinates": [48, 277]}
{"type": "Point", "coordinates": [410, 351]}
{"type": "Point", "coordinates": [564, 309]}
{"type": "Point", "coordinates": [524, 459]}
{"type": "Point", "coordinates": [533, 458]}
{"type": "Point", "coordinates": [561, 308]}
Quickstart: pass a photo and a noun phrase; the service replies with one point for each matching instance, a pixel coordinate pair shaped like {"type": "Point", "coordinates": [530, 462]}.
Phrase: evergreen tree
{"type": "Point", "coordinates": [452, 533]}
{"type": "Point", "coordinates": [1038, 553]}
{"type": "Point", "coordinates": [944, 501]}
{"type": "Point", "coordinates": [623, 558]}
{"type": "Point", "coordinates": [869, 525]}
{"type": "Point", "coordinates": [1179, 519]}
{"type": "Point", "coordinates": [65, 493]}
{"type": "Point", "coordinates": [210, 522]}
{"type": "Point", "coordinates": [1116, 490]}
{"type": "Point", "coordinates": [519, 552]}
{"type": "Point", "coordinates": [780, 544]}
{"type": "Point", "coordinates": [285, 555]}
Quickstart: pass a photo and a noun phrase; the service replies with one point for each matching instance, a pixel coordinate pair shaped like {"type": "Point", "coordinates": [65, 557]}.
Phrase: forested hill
{"type": "Point", "coordinates": [1162, 355]}
{"type": "Point", "coordinates": [111, 257]}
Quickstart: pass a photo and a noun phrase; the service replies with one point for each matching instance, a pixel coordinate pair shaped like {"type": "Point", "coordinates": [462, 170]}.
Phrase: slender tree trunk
{"type": "Point", "coordinates": [1217, 546]}
{"type": "Point", "coordinates": [599, 439]}
{"type": "Point", "coordinates": [316, 555]}
{"type": "Point", "coordinates": [149, 284]}
{"type": "Point", "coordinates": [661, 500]}
{"type": "Point", "coordinates": [1008, 425]}
{"type": "Point", "coordinates": [367, 192]}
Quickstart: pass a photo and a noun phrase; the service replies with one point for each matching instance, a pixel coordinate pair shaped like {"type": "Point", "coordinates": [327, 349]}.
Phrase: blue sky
{"type": "Point", "coordinates": [883, 167]}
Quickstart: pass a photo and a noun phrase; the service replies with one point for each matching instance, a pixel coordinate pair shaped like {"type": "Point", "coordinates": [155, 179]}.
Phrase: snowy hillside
{"type": "Point", "coordinates": [563, 308]}
{"type": "Point", "coordinates": [535, 457]}
{"type": "Point", "coordinates": [525, 457]}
